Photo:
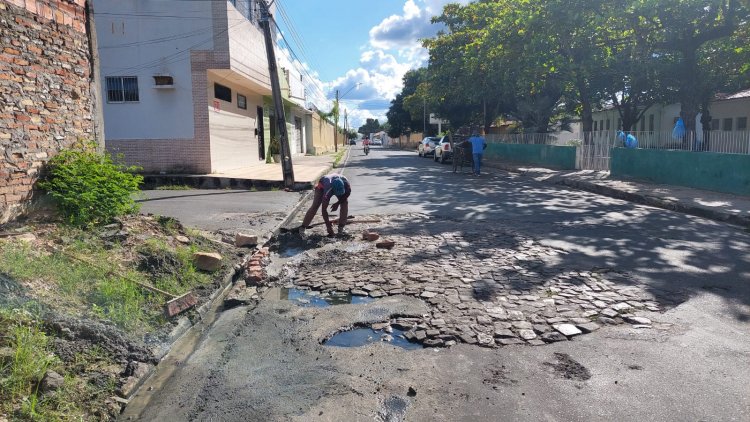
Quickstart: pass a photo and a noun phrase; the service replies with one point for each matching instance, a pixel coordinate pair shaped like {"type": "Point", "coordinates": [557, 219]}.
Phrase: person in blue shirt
{"type": "Point", "coordinates": [329, 186]}
{"type": "Point", "coordinates": [478, 144]}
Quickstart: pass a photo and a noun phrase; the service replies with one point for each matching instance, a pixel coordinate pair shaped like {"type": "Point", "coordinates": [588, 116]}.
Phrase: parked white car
{"type": "Point", "coordinates": [443, 150]}
{"type": "Point", "coordinates": [427, 146]}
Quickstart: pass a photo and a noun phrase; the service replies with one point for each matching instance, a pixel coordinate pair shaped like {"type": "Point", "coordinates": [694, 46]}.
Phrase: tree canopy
{"type": "Point", "coordinates": [538, 62]}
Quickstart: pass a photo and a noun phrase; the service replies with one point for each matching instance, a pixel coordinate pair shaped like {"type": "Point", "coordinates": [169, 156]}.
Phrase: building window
{"type": "Point", "coordinates": [715, 124]}
{"type": "Point", "coordinates": [742, 123]}
{"type": "Point", "coordinates": [619, 123]}
{"type": "Point", "coordinates": [601, 124]}
{"type": "Point", "coordinates": [223, 93]}
{"type": "Point", "coordinates": [607, 124]}
{"type": "Point", "coordinates": [727, 125]}
{"type": "Point", "coordinates": [596, 125]}
{"type": "Point", "coordinates": [651, 122]}
{"type": "Point", "coordinates": [241, 101]}
{"type": "Point", "coordinates": [122, 89]}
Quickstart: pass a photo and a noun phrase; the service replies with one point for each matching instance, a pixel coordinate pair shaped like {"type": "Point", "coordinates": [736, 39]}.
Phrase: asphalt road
{"type": "Point", "coordinates": [266, 362]}
{"type": "Point", "coordinates": [222, 210]}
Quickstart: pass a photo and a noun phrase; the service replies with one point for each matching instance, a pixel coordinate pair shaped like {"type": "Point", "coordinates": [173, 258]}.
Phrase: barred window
{"type": "Point", "coordinates": [122, 89]}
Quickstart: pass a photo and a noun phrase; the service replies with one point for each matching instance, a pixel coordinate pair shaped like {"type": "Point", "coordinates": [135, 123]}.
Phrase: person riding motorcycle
{"type": "Point", "coordinates": [366, 145]}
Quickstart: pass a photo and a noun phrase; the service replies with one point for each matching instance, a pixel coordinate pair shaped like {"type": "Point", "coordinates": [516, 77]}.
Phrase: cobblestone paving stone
{"type": "Point", "coordinates": [486, 284]}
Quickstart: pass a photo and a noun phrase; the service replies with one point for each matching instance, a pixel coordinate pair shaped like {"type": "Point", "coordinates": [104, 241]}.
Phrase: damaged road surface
{"type": "Point", "coordinates": [522, 301]}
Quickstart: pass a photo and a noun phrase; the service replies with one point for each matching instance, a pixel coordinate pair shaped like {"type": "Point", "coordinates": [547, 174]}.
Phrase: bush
{"type": "Point", "coordinates": [89, 187]}
{"type": "Point", "coordinates": [274, 148]}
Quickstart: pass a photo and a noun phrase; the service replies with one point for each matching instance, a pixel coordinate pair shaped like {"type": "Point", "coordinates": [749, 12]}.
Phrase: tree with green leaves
{"type": "Point", "coordinates": [371, 126]}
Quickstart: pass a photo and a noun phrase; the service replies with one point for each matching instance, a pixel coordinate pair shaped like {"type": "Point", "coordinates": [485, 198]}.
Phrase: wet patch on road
{"type": "Point", "coordinates": [392, 409]}
{"type": "Point", "coordinates": [313, 299]}
{"type": "Point", "coordinates": [363, 336]}
{"type": "Point", "coordinates": [568, 368]}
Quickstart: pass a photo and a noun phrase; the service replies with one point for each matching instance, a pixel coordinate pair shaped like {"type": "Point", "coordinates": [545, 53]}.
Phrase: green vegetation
{"type": "Point", "coordinates": [90, 188]}
{"type": "Point", "coordinates": [337, 157]}
{"type": "Point", "coordinates": [87, 273]}
{"type": "Point", "coordinates": [541, 63]}
{"type": "Point", "coordinates": [26, 355]}
{"type": "Point", "coordinates": [174, 187]}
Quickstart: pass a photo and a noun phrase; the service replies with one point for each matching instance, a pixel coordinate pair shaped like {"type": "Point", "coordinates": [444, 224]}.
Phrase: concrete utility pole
{"type": "Point", "coordinates": [278, 102]}
{"type": "Point", "coordinates": [346, 129]}
{"type": "Point", "coordinates": [336, 126]}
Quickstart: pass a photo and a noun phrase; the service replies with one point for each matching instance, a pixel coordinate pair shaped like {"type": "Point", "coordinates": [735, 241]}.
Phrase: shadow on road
{"type": "Point", "coordinates": [674, 255]}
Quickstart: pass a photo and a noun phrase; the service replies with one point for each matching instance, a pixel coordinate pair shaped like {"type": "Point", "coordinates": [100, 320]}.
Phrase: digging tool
{"type": "Point", "coordinates": [175, 305]}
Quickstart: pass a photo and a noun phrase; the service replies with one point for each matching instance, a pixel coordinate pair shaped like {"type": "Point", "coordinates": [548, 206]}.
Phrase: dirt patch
{"type": "Point", "coordinates": [498, 376]}
{"type": "Point", "coordinates": [568, 368]}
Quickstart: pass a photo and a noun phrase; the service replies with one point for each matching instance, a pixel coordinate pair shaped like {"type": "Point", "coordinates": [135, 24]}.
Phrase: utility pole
{"type": "Point", "coordinates": [336, 125]}
{"type": "Point", "coordinates": [424, 117]}
{"type": "Point", "coordinates": [346, 129]}
{"type": "Point", "coordinates": [278, 102]}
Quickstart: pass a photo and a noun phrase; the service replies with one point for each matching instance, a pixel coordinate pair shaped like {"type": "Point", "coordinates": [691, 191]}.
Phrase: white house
{"type": "Point", "coordinates": [728, 133]}
{"type": "Point", "coordinates": [186, 84]}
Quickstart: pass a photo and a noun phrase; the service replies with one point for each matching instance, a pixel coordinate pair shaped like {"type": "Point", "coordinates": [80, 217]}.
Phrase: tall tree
{"type": "Point", "coordinates": [370, 126]}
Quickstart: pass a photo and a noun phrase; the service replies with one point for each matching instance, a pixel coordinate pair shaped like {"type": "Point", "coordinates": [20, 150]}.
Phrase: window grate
{"type": "Point", "coordinates": [122, 89]}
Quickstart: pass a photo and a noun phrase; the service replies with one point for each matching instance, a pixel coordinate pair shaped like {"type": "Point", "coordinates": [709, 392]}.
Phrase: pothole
{"type": "Point", "coordinates": [313, 299]}
{"type": "Point", "coordinates": [363, 336]}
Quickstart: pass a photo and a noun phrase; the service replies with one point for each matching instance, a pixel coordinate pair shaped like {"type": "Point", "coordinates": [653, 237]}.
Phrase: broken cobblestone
{"type": "Point", "coordinates": [486, 285]}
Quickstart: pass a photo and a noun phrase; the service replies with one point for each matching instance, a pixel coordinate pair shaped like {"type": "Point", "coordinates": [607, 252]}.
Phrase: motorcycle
{"type": "Point", "coordinates": [367, 149]}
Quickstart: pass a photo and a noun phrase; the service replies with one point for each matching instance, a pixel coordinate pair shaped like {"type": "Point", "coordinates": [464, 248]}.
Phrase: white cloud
{"type": "Point", "coordinates": [394, 47]}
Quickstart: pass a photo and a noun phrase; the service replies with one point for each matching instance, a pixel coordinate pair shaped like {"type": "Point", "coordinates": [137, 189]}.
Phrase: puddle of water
{"type": "Point", "coordinates": [309, 298]}
{"type": "Point", "coordinates": [290, 252]}
{"type": "Point", "coordinates": [363, 336]}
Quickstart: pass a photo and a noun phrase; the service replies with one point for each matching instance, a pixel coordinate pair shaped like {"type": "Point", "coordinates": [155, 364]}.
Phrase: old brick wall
{"type": "Point", "coordinates": [45, 91]}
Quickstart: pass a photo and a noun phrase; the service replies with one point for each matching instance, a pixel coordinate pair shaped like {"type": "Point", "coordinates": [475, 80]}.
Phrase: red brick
{"type": "Point", "coordinates": [12, 51]}
{"type": "Point", "coordinates": [21, 62]}
{"type": "Point", "coordinates": [22, 117]}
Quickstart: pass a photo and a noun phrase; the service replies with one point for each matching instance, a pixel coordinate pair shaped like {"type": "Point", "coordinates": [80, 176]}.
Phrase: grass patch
{"type": "Point", "coordinates": [86, 273]}
{"type": "Point", "coordinates": [26, 355]}
{"type": "Point", "coordinates": [174, 187]}
{"type": "Point", "coordinates": [337, 157]}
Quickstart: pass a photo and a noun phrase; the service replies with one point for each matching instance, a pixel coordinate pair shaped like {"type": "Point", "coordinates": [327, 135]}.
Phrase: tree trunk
{"type": "Point", "coordinates": [587, 115]}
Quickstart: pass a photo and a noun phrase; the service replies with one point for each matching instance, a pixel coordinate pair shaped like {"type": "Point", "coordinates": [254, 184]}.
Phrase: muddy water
{"type": "Point", "coordinates": [358, 337]}
{"type": "Point", "coordinates": [312, 299]}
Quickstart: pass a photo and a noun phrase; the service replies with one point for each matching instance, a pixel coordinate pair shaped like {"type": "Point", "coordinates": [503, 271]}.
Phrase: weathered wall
{"type": "Point", "coordinates": [561, 157]}
{"type": "Point", "coordinates": [45, 91]}
{"type": "Point", "coordinates": [322, 136]}
{"type": "Point", "coordinates": [728, 173]}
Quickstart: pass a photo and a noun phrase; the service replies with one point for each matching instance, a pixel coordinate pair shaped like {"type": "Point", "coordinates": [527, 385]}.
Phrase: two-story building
{"type": "Point", "coordinates": [186, 85]}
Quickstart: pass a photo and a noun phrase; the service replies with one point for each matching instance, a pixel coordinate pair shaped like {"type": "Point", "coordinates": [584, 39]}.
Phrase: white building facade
{"type": "Point", "coordinates": [186, 84]}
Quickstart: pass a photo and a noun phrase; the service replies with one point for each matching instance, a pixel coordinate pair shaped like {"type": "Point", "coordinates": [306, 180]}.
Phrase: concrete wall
{"type": "Point", "coordinates": [46, 97]}
{"type": "Point", "coordinates": [728, 173]}
{"type": "Point", "coordinates": [322, 136]}
{"type": "Point", "coordinates": [561, 157]}
{"type": "Point", "coordinates": [131, 45]}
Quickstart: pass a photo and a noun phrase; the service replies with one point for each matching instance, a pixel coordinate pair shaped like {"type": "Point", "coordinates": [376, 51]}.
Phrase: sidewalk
{"type": "Point", "coordinates": [733, 209]}
{"type": "Point", "coordinates": [307, 170]}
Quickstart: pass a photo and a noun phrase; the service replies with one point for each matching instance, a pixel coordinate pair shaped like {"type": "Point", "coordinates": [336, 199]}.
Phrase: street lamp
{"type": "Point", "coordinates": [336, 133]}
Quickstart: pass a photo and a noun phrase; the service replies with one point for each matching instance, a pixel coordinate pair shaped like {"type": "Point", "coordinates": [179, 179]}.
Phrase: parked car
{"type": "Point", "coordinates": [377, 142]}
{"type": "Point", "coordinates": [352, 142]}
{"type": "Point", "coordinates": [427, 146]}
{"type": "Point", "coordinates": [443, 150]}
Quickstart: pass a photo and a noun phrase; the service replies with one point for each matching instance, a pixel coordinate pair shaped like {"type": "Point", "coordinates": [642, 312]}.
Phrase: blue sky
{"type": "Point", "coordinates": [365, 42]}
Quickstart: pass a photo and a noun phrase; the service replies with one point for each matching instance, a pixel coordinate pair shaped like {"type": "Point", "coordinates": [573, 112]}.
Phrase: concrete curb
{"type": "Point", "coordinates": [151, 181]}
{"type": "Point", "coordinates": [653, 201]}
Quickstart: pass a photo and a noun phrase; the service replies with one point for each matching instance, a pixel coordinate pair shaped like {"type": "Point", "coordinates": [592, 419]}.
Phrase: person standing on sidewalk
{"type": "Point", "coordinates": [328, 186]}
{"type": "Point", "coordinates": [478, 144]}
